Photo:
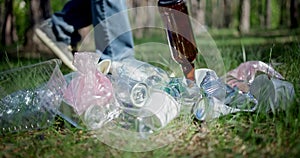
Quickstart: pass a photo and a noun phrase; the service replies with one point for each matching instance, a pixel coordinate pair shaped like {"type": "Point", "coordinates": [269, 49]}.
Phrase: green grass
{"type": "Point", "coordinates": [237, 135]}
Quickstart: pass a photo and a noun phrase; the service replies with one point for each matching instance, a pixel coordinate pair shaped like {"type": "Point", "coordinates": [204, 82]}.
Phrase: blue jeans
{"type": "Point", "coordinates": [113, 36]}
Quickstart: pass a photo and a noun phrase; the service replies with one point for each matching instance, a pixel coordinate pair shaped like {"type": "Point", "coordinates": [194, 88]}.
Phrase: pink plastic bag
{"type": "Point", "coordinates": [88, 86]}
{"type": "Point", "coordinates": [245, 73]}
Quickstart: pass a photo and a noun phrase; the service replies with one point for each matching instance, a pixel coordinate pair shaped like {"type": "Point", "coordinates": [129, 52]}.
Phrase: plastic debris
{"type": "Point", "coordinates": [132, 94]}
{"type": "Point", "coordinates": [243, 90]}
{"type": "Point", "coordinates": [245, 73]}
{"type": "Point", "coordinates": [30, 96]}
{"type": "Point", "coordinates": [132, 79]}
{"type": "Point", "coordinates": [218, 98]}
{"type": "Point", "coordinates": [272, 93]}
{"type": "Point", "coordinates": [89, 91]}
{"type": "Point", "coordinates": [160, 109]}
{"type": "Point", "coordinates": [88, 85]}
{"type": "Point", "coordinates": [143, 92]}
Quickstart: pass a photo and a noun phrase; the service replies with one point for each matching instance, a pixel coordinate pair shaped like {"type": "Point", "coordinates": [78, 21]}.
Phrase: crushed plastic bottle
{"type": "Point", "coordinates": [160, 109]}
{"type": "Point", "coordinates": [243, 90]}
{"type": "Point", "coordinates": [146, 93]}
{"type": "Point", "coordinates": [185, 92]}
{"type": "Point", "coordinates": [30, 96]}
{"type": "Point", "coordinates": [272, 93]}
{"type": "Point", "coordinates": [218, 98]}
{"type": "Point", "coordinates": [132, 79]}
{"type": "Point", "coordinates": [270, 88]}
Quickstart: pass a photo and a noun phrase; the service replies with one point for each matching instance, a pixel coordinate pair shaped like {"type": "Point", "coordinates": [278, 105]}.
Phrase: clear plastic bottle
{"type": "Point", "coordinates": [143, 92]}
{"type": "Point", "coordinates": [160, 110]}
{"type": "Point", "coordinates": [132, 79]}
{"type": "Point", "coordinates": [30, 96]}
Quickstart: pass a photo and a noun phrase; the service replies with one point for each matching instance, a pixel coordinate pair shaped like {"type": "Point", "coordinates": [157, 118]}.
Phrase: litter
{"type": "Point", "coordinates": [133, 94]}
{"type": "Point", "coordinates": [30, 96]}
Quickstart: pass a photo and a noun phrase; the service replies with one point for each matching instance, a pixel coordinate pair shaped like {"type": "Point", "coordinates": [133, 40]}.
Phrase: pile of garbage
{"type": "Point", "coordinates": [138, 96]}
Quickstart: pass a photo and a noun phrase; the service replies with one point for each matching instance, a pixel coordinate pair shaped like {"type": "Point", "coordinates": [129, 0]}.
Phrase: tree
{"type": "Point", "coordinates": [244, 25]}
{"type": "Point", "coordinates": [217, 13]}
{"type": "Point", "coordinates": [9, 34]}
{"type": "Point", "coordinates": [227, 13]}
{"type": "Point", "coordinates": [39, 11]}
{"type": "Point", "coordinates": [260, 11]}
{"type": "Point", "coordinates": [268, 14]}
{"type": "Point", "coordinates": [1, 14]}
{"type": "Point", "coordinates": [284, 18]}
{"type": "Point", "coordinates": [141, 17]}
{"type": "Point", "coordinates": [197, 10]}
{"type": "Point", "coordinates": [294, 13]}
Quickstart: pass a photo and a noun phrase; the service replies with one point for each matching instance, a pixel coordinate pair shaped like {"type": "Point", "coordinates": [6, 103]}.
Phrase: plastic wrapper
{"type": "Point", "coordinates": [30, 96]}
{"type": "Point", "coordinates": [89, 98]}
{"type": "Point", "coordinates": [245, 73]}
{"type": "Point", "coordinates": [245, 89]}
{"type": "Point", "coordinates": [88, 86]}
{"type": "Point", "coordinates": [272, 93]}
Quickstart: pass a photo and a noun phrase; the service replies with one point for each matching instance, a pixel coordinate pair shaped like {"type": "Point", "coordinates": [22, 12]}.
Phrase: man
{"type": "Point", "coordinates": [113, 38]}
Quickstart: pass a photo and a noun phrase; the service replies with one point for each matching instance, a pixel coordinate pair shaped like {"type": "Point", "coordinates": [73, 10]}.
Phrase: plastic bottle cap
{"type": "Point", "coordinates": [139, 94]}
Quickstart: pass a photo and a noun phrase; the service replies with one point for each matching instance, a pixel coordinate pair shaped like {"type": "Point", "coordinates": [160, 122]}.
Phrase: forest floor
{"type": "Point", "coordinates": [256, 134]}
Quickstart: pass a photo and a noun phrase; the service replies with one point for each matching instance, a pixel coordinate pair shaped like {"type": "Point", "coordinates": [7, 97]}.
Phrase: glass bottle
{"type": "Point", "coordinates": [181, 39]}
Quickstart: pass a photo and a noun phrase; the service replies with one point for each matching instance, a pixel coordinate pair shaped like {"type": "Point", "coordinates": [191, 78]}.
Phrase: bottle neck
{"type": "Point", "coordinates": [168, 2]}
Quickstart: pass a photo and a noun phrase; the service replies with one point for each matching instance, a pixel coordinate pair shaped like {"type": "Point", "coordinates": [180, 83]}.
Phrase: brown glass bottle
{"type": "Point", "coordinates": [181, 39]}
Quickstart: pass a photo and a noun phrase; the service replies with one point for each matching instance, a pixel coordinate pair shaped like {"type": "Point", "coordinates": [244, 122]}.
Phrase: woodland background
{"type": "Point", "coordinates": [18, 18]}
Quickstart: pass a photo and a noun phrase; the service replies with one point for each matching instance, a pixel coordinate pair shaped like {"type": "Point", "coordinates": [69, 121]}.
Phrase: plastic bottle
{"type": "Point", "coordinates": [272, 93]}
{"type": "Point", "coordinates": [218, 98]}
{"type": "Point", "coordinates": [144, 92]}
{"type": "Point", "coordinates": [132, 79]}
{"type": "Point", "coordinates": [30, 96]}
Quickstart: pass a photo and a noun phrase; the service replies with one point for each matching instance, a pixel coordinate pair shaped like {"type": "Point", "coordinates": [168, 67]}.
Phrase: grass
{"type": "Point", "coordinates": [237, 135]}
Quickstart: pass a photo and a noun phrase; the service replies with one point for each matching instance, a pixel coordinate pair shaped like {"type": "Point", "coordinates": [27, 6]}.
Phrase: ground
{"type": "Point", "coordinates": [256, 134]}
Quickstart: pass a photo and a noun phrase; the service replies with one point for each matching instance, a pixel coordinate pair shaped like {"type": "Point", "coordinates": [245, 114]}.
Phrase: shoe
{"type": "Point", "coordinates": [59, 48]}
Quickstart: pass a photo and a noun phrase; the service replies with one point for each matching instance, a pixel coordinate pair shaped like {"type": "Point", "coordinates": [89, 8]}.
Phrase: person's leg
{"type": "Point", "coordinates": [113, 37]}
{"type": "Point", "coordinates": [60, 32]}
{"type": "Point", "coordinates": [75, 15]}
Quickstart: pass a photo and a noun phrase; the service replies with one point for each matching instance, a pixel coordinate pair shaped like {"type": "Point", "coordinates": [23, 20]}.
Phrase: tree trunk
{"type": "Point", "coordinates": [39, 11]}
{"type": "Point", "coordinates": [140, 17]}
{"type": "Point", "coordinates": [294, 13]}
{"type": "Point", "coordinates": [244, 25]}
{"type": "Point", "coordinates": [227, 13]}
{"type": "Point", "coordinates": [9, 33]}
{"type": "Point", "coordinates": [45, 9]}
{"type": "Point", "coordinates": [283, 13]}
{"type": "Point", "coordinates": [150, 15]}
{"type": "Point", "coordinates": [197, 11]}
{"type": "Point", "coordinates": [260, 11]}
{"type": "Point", "coordinates": [201, 11]}
{"type": "Point", "coordinates": [217, 13]}
{"type": "Point", "coordinates": [1, 15]}
{"type": "Point", "coordinates": [268, 14]}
